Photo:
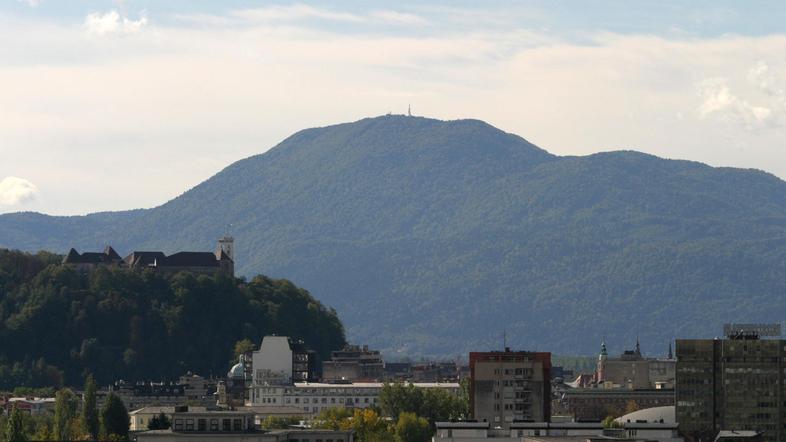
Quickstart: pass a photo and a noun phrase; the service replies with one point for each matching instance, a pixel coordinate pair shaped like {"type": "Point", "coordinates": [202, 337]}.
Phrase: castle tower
{"type": "Point", "coordinates": [226, 249]}
{"type": "Point", "coordinates": [600, 373]}
{"type": "Point", "coordinates": [226, 245]}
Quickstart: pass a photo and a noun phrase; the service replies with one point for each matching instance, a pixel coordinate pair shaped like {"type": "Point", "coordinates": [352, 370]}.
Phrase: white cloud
{"type": "Point", "coordinates": [31, 3]}
{"type": "Point", "coordinates": [112, 23]}
{"type": "Point", "coordinates": [294, 12]}
{"type": "Point", "coordinates": [755, 101]}
{"type": "Point", "coordinates": [219, 88]}
{"type": "Point", "coordinates": [718, 101]}
{"type": "Point", "coordinates": [15, 191]}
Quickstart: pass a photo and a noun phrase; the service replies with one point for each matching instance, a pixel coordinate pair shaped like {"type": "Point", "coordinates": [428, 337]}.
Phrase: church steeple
{"type": "Point", "coordinates": [600, 371]}
{"type": "Point", "coordinates": [638, 346]}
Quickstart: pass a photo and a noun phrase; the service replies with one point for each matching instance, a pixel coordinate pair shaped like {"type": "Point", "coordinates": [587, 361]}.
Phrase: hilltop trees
{"type": "Point", "coordinates": [57, 323]}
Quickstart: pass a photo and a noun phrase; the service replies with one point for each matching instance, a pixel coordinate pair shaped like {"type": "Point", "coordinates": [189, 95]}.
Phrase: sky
{"type": "Point", "coordinates": [113, 105]}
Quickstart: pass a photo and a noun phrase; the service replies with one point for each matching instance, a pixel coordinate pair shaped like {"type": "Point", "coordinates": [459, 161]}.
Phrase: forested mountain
{"type": "Point", "coordinates": [58, 324]}
{"type": "Point", "coordinates": [435, 237]}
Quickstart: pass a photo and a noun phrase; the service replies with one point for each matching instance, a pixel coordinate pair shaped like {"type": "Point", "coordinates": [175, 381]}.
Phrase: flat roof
{"type": "Point", "coordinates": [375, 385]}
{"type": "Point", "coordinates": [464, 424]}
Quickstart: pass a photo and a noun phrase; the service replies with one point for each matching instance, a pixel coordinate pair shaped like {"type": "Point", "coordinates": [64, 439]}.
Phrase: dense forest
{"type": "Point", "coordinates": [435, 238]}
{"type": "Point", "coordinates": [58, 324]}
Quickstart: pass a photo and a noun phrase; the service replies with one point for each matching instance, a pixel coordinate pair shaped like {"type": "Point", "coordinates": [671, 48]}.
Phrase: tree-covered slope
{"type": "Point", "coordinates": [436, 237]}
{"type": "Point", "coordinates": [58, 324]}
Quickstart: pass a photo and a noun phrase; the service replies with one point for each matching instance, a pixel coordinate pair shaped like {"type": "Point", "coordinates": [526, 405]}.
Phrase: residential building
{"type": "Point", "coordinates": [508, 386]}
{"type": "Point", "coordinates": [233, 426]}
{"type": "Point", "coordinates": [141, 417]}
{"type": "Point", "coordinates": [355, 364]}
{"type": "Point", "coordinates": [190, 388]}
{"type": "Point", "coordinates": [281, 362]}
{"type": "Point", "coordinates": [734, 384]}
{"type": "Point", "coordinates": [398, 371]}
{"type": "Point", "coordinates": [313, 398]}
{"type": "Point", "coordinates": [31, 405]}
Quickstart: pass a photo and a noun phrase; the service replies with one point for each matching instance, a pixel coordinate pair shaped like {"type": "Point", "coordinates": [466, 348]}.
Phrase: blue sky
{"type": "Point", "coordinates": [111, 105]}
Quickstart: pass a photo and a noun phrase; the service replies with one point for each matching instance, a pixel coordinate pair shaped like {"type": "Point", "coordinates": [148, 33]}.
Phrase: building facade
{"type": "Point", "coordinates": [314, 398]}
{"type": "Point", "coordinates": [631, 370]}
{"type": "Point", "coordinates": [510, 386]}
{"type": "Point", "coordinates": [731, 384]}
{"type": "Point", "coordinates": [355, 364]}
{"type": "Point", "coordinates": [595, 404]}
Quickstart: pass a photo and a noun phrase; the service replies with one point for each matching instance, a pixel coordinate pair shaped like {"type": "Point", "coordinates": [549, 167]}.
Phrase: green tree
{"type": "Point", "coordinates": [609, 422]}
{"type": "Point", "coordinates": [89, 409]}
{"type": "Point", "coordinates": [369, 426]}
{"type": "Point", "coordinates": [333, 418]}
{"type": "Point", "coordinates": [14, 430]}
{"type": "Point", "coordinates": [243, 346]}
{"type": "Point", "coordinates": [433, 404]}
{"type": "Point", "coordinates": [160, 422]}
{"type": "Point", "coordinates": [65, 411]}
{"type": "Point", "coordinates": [115, 421]}
{"type": "Point", "coordinates": [274, 422]}
{"type": "Point", "coordinates": [411, 428]}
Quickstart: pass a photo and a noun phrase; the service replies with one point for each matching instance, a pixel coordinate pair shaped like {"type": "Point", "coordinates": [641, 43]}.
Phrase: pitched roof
{"type": "Point", "coordinates": [192, 259]}
{"type": "Point", "coordinates": [144, 259]}
{"type": "Point", "coordinates": [108, 256]}
{"type": "Point", "coordinates": [180, 259]}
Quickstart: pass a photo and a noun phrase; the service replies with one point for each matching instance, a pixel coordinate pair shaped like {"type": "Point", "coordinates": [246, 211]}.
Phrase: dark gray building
{"type": "Point", "coordinates": [736, 383]}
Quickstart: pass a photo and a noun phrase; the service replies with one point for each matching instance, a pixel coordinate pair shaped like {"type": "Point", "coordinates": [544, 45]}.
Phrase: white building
{"type": "Point", "coordinates": [315, 397]}
{"type": "Point", "coordinates": [272, 363]}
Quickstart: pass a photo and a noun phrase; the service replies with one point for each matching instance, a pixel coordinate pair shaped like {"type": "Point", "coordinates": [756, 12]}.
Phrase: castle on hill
{"type": "Point", "coordinates": [207, 263]}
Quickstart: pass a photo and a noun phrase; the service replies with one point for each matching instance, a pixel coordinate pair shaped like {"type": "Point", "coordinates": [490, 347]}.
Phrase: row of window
{"type": "Point", "coordinates": [324, 400]}
{"type": "Point", "coordinates": [229, 424]}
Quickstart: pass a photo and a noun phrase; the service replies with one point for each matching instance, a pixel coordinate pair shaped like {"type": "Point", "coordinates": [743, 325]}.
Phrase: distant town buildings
{"type": "Point", "coordinates": [190, 388]}
{"type": "Point", "coordinates": [354, 364]}
{"type": "Point", "coordinates": [508, 386]}
{"type": "Point", "coordinates": [195, 425]}
{"type": "Point", "coordinates": [558, 432]}
{"type": "Point", "coordinates": [733, 384]}
{"type": "Point", "coordinates": [220, 261]}
{"type": "Point", "coordinates": [633, 371]}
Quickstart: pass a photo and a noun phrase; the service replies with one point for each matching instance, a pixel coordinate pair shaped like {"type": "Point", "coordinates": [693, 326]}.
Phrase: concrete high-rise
{"type": "Point", "coordinates": [508, 386]}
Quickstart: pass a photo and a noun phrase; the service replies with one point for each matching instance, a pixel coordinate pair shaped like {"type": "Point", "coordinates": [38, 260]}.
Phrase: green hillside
{"type": "Point", "coordinates": [435, 237]}
{"type": "Point", "coordinates": [57, 324]}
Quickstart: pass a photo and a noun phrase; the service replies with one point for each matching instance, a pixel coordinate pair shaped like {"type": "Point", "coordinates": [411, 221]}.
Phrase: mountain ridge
{"type": "Point", "coordinates": [409, 225]}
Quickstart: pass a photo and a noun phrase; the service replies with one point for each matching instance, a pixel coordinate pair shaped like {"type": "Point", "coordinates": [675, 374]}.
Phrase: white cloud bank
{"type": "Point", "coordinates": [150, 116]}
{"type": "Point", "coordinates": [112, 23]}
{"type": "Point", "coordinates": [14, 191]}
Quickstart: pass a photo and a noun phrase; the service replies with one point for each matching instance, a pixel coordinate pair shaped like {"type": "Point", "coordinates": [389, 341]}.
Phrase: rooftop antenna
{"type": "Point", "coordinates": [504, 340]}
{"type": "Point", "coordinates": [409, 110]}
